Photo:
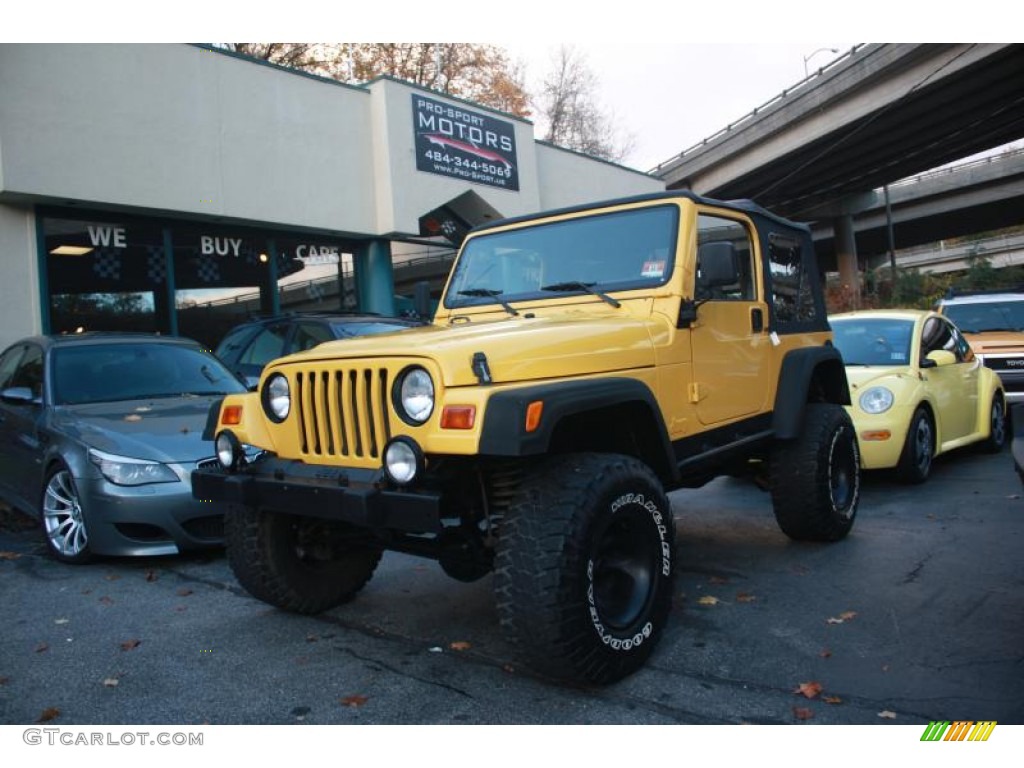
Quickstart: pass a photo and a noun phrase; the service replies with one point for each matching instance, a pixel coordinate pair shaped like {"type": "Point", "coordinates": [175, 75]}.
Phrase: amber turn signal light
{"type": "Point", "coordinates": [533, 414]}
{"type": "Point", "coordinates": [232, 415]}
{"type": "Point", "coordinates": [458, 417]}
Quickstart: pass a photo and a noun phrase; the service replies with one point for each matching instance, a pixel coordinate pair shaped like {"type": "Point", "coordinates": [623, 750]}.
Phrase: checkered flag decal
{"type": "Point", "coordinates": [208, 270]}
{"type": "Point", "coordinates": [156, 264]}
{"type": "Point", "coordinates": [107, 264]}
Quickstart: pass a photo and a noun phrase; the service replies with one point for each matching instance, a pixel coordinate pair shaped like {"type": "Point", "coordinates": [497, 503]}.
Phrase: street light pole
{"type": "Point", "coordinates": [812, 54]}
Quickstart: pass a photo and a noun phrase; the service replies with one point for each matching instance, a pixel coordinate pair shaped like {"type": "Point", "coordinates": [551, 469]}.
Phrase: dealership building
{"type": "Point", "coordinates": [181, 188]}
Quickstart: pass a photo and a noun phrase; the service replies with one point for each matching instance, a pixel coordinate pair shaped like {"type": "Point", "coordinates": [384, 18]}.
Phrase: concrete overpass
{"type": "Point", "coordinates": [979, 196]}
{"type": "Point", "coordinates": [879, 113]}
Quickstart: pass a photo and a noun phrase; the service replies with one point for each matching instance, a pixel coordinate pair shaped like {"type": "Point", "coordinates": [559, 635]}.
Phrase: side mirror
{"type": "Point", "coordinates": [18, 396]}
{"type": "Point", "coordinates": [940, 357]}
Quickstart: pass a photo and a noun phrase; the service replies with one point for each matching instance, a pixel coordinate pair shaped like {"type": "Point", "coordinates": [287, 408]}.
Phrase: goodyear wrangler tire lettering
{"type": "Point", "coordinates": [585, 566]}
{"type": "Point", "coordinates": [815, 479]}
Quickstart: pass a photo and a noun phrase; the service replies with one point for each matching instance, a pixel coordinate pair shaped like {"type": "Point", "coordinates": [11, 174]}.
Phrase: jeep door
{"type": "Point", "coordinates": [730, 344]}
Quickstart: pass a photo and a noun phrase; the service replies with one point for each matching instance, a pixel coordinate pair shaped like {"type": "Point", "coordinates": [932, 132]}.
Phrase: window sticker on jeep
{"type": "Point", "coordinates": [653, 269]}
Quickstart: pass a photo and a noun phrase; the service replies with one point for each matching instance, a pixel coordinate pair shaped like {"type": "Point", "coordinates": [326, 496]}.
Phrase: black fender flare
{"type": "Point", "coordinates": [503, 432]}
{"type": "Point", "coordinates": [799, 367]}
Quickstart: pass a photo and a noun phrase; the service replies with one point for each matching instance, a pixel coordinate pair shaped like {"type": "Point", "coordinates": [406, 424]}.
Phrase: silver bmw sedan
{"type": "Point", "coordinates": [99, 433]}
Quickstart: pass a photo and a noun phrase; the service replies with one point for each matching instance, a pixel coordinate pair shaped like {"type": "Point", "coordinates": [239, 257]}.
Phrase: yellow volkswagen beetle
{"type": "Point", "coordinates": [917, 390]}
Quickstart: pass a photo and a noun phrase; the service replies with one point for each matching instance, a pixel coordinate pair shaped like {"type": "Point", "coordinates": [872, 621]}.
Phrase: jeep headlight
{"type": "Point", "coordinates": [123, 470]}
{"type": "Point", "coordinates": [277, 397]}
{"type": "Point", "coordinates": [414, 396]}
{"type": "Point", "coordinates": [876, 400]}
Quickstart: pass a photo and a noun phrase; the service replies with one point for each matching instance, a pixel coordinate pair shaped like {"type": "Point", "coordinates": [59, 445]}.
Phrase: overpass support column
{"type": "Point", "coordinates": [846, 257]}
{"type": "Point", "coordinates": [375, 280]}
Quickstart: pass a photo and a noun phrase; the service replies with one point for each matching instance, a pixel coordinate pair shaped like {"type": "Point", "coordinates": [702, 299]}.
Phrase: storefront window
{"type": "Point", "coordinates": [104, 275]}
{"type": "Point", "coordinates": [314, 276]}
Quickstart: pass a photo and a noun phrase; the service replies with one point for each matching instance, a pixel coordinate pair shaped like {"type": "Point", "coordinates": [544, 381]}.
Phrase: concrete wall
{"type": "Point", "coordinates": [180, 128]}
{"type": "Point", "coordinates": [19, 283]}
{"type": "Point", "coordinates": [567, 178]}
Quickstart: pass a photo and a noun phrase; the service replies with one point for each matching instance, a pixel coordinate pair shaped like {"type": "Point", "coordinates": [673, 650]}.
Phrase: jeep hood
{"type": "Point", "coordinates": [517, 348]}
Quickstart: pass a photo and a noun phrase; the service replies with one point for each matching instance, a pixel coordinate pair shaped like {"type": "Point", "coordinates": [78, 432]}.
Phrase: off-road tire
{"type": "Point", "coordinates": [584, 567]}
{"type": "Point", "coordinates": [919, 449]}
{"type": "Point", "coordinates": [300, 564]}
{"type": "Point", "coordinates": [815, 479]}
{"type": "Point", "coordinates": [997, 426]}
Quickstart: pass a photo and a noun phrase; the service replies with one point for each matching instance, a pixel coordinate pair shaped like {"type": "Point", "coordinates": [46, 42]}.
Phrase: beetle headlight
{"type": "Point", "coordinates": [415, 396]}
{"type": "Point", "coordinates": [876, 400]}
{"type": "Point", "coordinates": [277, 397]}
{"type": "Point", "coordinates": [123, 470]}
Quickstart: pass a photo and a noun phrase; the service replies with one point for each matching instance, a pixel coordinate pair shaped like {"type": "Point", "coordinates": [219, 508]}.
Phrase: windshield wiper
{"type": "Point", "coordinates": [576, 285]}
{"type": "Point", "coordinates": [496, 295]}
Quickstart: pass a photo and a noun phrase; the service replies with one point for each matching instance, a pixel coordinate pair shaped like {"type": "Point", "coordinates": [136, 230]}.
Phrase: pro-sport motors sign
{"type": "Point", "coordinates": [453, 141]}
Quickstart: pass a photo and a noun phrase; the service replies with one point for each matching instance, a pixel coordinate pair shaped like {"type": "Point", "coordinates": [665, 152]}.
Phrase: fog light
{"type": "Point", "coordinates": [403, 460]}
{"type": "Point", "coordinates": [229, 450]}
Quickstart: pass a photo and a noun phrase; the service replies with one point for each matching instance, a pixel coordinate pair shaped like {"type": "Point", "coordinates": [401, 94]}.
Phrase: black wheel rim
{"type": "Point", "coordinates": [625, 571]}
{"type": "Point", "coordinates": [843, 476]}
{"type": "Point", "coordinates": [922, 438]}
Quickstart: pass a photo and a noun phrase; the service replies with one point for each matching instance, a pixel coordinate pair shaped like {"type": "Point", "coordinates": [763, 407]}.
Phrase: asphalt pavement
{"type": "Point", "coordinates": [916, 616]}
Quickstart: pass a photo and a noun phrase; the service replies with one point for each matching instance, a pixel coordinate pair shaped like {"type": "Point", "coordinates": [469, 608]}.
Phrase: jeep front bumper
{"type": "Point", "coordinates": [354, 496]}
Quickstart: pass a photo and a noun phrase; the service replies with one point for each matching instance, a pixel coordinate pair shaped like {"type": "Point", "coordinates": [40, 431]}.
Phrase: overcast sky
{"type": "Point", "coordinates": [670, 96]}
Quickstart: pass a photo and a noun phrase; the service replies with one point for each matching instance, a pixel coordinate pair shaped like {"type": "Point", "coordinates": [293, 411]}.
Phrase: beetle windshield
{"type": "Point", "coordinates": [624, 250]}
{"type": "Point", "coordinates": [94, 373]}
{"type": "Point", "coordinates": [873, 340]}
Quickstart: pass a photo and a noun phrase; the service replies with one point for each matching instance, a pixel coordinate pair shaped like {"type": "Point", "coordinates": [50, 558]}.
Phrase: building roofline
{"type": "Point", "coordinates": [279, 67]}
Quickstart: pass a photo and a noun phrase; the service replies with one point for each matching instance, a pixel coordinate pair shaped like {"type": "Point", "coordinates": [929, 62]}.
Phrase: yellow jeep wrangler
{"type": "Point", "coordinates": [581, 363]}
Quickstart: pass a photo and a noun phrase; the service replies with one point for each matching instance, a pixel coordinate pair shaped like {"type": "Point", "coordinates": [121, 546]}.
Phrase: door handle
{"type": "Point", "coordinates": [756, 320]}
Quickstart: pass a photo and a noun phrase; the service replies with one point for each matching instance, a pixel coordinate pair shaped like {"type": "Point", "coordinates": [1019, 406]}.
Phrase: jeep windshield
{"type": "Point", "coordinates": [979, 317]}
{"type": "Point", "coordinates": [589, 255]}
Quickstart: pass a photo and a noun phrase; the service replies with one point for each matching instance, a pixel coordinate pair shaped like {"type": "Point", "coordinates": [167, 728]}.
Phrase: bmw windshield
{"type": "Point", "coordinates": [617, 251]}
{"type": "Point", "coordinates": [96, 373]}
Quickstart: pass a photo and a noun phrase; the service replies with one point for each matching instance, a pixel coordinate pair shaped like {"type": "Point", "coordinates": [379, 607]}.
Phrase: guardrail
{"type": "Point", "coordinates": [959, 166]}
{"type": "Point", "coordinates": [758, 110]}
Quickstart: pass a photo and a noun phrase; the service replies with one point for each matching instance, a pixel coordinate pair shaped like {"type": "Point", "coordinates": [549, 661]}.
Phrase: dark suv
{"type": "Point", "coordinates": [248, 347]}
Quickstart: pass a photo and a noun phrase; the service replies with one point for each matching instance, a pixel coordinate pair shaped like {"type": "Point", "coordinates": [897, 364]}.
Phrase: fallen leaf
{"type": "Point", "coordinates": [180, 608]}
{"type": "Point", "coordinates": [885, 667]}
{"type": "Point", "coordinates": [311, 638]}
{"type": "Point", "coordinates": [61, 621]}
{"type": "Point", "coordinates": [887, 714]}
{"type": "Point", "coordinates": [719, 580]}
{"type": "Point", "coordinates": [106, 600]}
{"type": "Point", "coordinates": [110, 682]}
{"type": "Point", "coordinates": [802, 713]}
{"type": "Point", "coordinates": [133, 417]}
{"type": "Point", "coordinates": [9, 555]}
{"type": "Point", "coordinates": [825, 653]}
{"type": "Point", "coordinates": [745, 597]}
{"type": "Point", "coordinates": [508, 668]}
{"type": "Point", "coordinates": [128, 645]}
{"type": "Point", "coordinates": [4, 680]}
{"type": "Point", "coordinates": [847, 615]}
{"type": "Point", "coordinates": [810, 690]}
{"type": "Point", "coordinates": [353, 701]}
{"type": "Point", "coordinates": [48, 714]}
{"type": "Point", "coordinates": [152, 576]}
{"type": "Point", "coordinates": [460, 645]}
{"type": "Point", "coordinates": [184, 592]}
{"type": "Point", "coordinates": [111, 577]}
{"type": "Point", "coordinates": [436, 649]}
{"type": "Point", "coordinates": [831, 699]}
{"type": "Point", "coordinates": [42, 647]}
{"type": "Point", "coordinates": [708, 600]}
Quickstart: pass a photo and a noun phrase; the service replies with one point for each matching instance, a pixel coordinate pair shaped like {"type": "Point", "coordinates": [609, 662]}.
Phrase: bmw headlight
{"type": "Point", "coordinates": [414, 396]}
{"type": "Point", "coordinates": [876, 400]}
{"type": "Point", "coordinates": [123, 470]}
{"type": "Point", "coordinates": [277, 397]}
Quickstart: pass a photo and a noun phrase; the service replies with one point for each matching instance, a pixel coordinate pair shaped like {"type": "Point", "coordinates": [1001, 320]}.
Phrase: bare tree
{"type": "Point", "coordinates": [569, 104]}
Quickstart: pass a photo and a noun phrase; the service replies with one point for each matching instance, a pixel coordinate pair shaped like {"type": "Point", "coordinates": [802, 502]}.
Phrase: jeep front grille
{"type": "Point", "coordinates": [343, 413]}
